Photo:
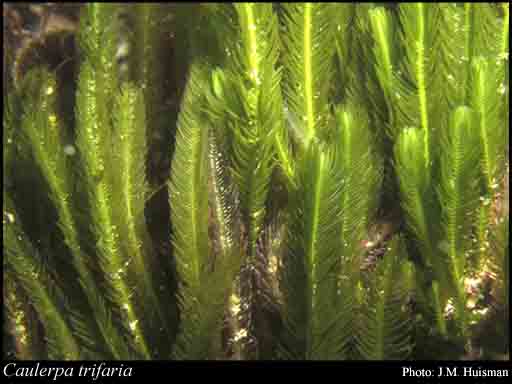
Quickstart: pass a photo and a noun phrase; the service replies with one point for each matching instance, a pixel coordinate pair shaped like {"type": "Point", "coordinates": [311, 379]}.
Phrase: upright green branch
{"type": "Point", "coordinates": [205, 281]}
{"type": "Point", "coordinates": [468, 31]}
{"type": "Point", "coordinates": [258, 118]}
{"type": "Point", "coordinates": [22, 262]}
{"type": "Point", "coordinates": [311, 304]}
{"type": "Point", "coordinates": [309, 46]}
{"type": "Point", "coordinates": [385, 52]}
{"type": "Point", "coordinates": [49, 142]}
{"type": "Point", "coordinates": [420, 211]}
{"type": "Point", "coordinates": [253, 100]}
{"type": "Point", "coordinates": [22, 258]}
{"type": "Point", "coordinates": [358, 200]}
{"type": "Point", "coordinates": [384, 331]}
{"type": "Point", "coordinates": [225, 239]}
{"type": "Point", "coordinates": [130, 188]}
{"type": "Point", "coordinates": [361, 179]}
{"type": "Point", "coordinates": [458, 195]}
{"type": "Point", "coordinates": [420, 24]}
{"type": "Point", "coordinates": [96, 88]}
{"type": "Point", "coordinates": [345, 35]}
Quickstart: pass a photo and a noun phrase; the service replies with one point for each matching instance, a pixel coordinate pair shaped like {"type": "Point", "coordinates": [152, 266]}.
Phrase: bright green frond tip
{"type": "Point", "coordinates": [382, 30]}
{"type": "Point", "coordinates": [309, 46]}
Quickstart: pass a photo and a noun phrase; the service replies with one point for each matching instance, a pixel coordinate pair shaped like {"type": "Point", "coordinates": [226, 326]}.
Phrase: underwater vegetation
{"type": "Point", "coordinates": [304, 181]}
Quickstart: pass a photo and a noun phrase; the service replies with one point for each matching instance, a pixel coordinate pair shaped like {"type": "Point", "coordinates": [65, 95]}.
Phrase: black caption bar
{"type": "Point", "coordinates": [138, 371]}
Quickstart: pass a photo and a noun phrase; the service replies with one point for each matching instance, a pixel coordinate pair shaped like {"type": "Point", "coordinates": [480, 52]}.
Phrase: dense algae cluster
{"type": "Point", "coordinates": [256, 181]}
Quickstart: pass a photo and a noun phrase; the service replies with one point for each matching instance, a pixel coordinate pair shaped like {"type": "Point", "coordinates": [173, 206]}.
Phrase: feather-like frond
{"type": "Point", "coordinates": [205, 281]}
{"type": "Point", "coordinates": [345, 34]}
{"type": "Point", "coordinates": [458, 195]}
{"type": "Point", "coordinates": [253, 99]}
{"type": "Point", "coordinates": [97, 43]}
{"type": "Point", "coordinates": [47, 136]}
{"type": "Point", "coordinates": [251, 93]}
{"type": "Point", "coordinates": [309, 281]}
{"type": "Point", "coordinates": [451, 54]}
{"type": "Point", "coordinates": [309, 46]}
{"type": "Point", "coordinates": [385, 50]}
{"type": "Point", "coordinates": [468, 31]}
{"type": "Point", "coordinates": [419, 207]}
{"type": "Point", "coordinates": [418, 85]}
{"type": "Point", "coordinates": [384, 331]}
{"type": "Point", "coordinates": [130, 190]}
{"type": "Point", "coordinates": [362, 80]}
{"type": "Point", "coordinates": [362, 174]}
{"type": "Point", "coordinates": [95, 140]}
{"type": "Point", "coordinates": [225, 237]}
{"type": "Point", "coordinates": [411, 169]}
{"type": "Point", "coordinates": [21, 257]}
{"type": "Point", "coordinates": [147, 53]}
{"type": "Point", "coordinates": [256, 59]}
{"type": "Point", "coordinates": [486, 100]}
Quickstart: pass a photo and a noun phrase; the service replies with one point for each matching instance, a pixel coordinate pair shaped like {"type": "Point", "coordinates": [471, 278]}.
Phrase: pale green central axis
{"type": "Point", "coordinates": [347, 131]}
{"type": "Point", "coordinates": [133, 237]}
{"type": "Point", "coordinates": [505, 34]}
{"type": "Point", "coordinates": [316, 214]}
{"type": "Point", "coordinates": [111, 237]}
{"type": "Point", "coordinates": [483, 129]}
{"type": "Point", "coordinates": [347, 160]}
{"type": "Point", "coordinates": [469, 29]}
{"type": "Point", "coordinates": [97, 162]}
{"type": "Point", "coordinates": [420, 69]}
{"type": "Point", "coordinates": [381, 36]}
{"type": "Point", "coordinates": [194, 208]}
{"type": "Point", "coordinates": [308, 80]}
{"type": "Point", "coordinates": [225, 239]}
{"type": "Point", "coordinates": [253, 47]}
{"type": "Point", "coordinates": [454, 223]}
{"type": "Point", "coordinates": [312, 254]}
